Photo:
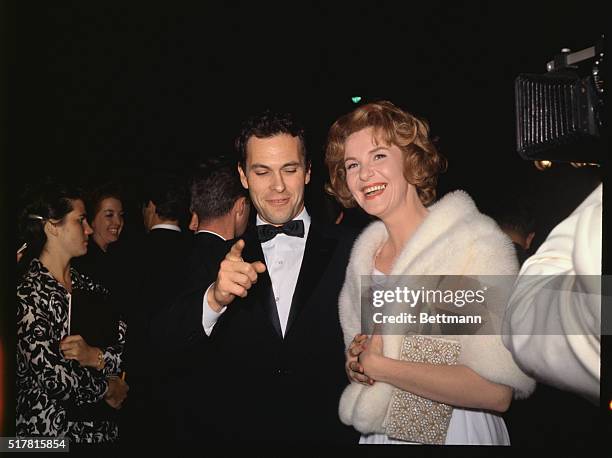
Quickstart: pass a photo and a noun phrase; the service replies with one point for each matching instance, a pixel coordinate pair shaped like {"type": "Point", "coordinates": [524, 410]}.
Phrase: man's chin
{"type": "Point", "coordinates": [276, 218]}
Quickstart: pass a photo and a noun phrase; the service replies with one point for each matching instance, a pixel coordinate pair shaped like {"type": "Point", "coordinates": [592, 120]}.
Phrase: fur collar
{"type": "Point", "coordinates": [454, 239]}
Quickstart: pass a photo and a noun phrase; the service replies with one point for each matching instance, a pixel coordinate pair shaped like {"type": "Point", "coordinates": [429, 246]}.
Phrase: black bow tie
{"type": "Point", "coordinates": [267, 232]}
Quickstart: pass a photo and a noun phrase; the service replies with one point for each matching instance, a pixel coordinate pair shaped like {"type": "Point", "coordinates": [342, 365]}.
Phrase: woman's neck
{"type": "Point", "coordinates": [402, 225]}
{"type": "Point", "coordinates": [58, 266]}
{"type": "Point", "coordinates": [98, 240]}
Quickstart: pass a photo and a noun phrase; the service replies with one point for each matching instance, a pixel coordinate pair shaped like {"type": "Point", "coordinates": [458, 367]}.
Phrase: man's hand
{"type": "Point", "coordinates": [354, 369]}
{"type": "Point", "coordinates": [235, 278]}
{"type": "Point", "coordinates": [75, 347]}
{"type": "Point", "coordinates": [116, 393]}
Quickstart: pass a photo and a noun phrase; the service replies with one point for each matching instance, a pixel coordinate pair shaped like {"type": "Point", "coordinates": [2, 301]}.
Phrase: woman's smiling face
{"type": "Point", "coordinates": [108, 222]}
{"type": "Point", "coordinates": [374, 173]}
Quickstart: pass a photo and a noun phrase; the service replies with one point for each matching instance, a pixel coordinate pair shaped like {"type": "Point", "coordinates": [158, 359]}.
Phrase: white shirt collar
{"type": "Point", "coordinates": [171, 227]}
{"type": "Point", "coordinates": [211, 232]}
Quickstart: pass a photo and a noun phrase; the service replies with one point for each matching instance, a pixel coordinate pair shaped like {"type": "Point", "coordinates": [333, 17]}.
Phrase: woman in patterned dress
{"type": "Point", "coordinates": [55, 369]}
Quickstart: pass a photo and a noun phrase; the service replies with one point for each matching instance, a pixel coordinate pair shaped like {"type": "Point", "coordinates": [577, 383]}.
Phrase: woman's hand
{"type": "Point", "coordinates": [75, 347]}
{"type": "Point", "coordinates": [116, 393]}
{"type": "Point", "coordinates": [371, 354]}
{"type": "Point", "coordinates": [354, 369]}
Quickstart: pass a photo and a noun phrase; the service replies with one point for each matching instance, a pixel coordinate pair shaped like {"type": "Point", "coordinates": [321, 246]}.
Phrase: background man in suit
{"type": "Point", "coordinates": [219, 209]}
{"type": "Point", "coordinates": [160, 266]}
{"type": "Point", "coordinates": [274, 330]}
{"type": "Point", "coordinates": [163, 253]}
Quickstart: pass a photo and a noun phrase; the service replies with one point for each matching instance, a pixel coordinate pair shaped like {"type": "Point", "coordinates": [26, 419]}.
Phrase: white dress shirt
{"type": "Point", "coordinates": [283, 258]}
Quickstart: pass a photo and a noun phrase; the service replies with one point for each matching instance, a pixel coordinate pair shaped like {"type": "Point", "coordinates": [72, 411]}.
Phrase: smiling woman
{"type": "Point", "coordinates": [382, 158]}
{"type": "Point", "coordinates": [108, 222]}
{"type": "Point", "coordinates": [105, 205]}
{"type": "Point", "coordinates": [374, 135]}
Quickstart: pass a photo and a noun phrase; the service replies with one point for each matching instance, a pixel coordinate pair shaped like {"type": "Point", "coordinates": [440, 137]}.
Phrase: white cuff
{"type": "Point", "coordinates": [209, 316]}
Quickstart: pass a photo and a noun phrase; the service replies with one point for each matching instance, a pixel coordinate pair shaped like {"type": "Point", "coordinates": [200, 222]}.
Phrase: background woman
{"type": "Point", "coordinates": [101, 262]}
{"type": "Point", "coordinates": [54, 368]}
{"type": "Point", "coordinates": [382, 159]}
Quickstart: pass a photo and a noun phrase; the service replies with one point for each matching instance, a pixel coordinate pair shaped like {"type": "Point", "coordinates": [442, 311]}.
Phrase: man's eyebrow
{"type": "Point", "coordinates": [267, 167]}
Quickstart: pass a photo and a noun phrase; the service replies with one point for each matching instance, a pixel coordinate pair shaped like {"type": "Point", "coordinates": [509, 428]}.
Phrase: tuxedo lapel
{"type": "Point", "coordinates": [262, 292]}
{"type": "Point", "coordinates": [317, 254]}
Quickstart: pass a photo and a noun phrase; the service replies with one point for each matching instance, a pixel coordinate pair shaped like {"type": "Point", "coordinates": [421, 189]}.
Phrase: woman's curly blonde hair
{"type": "Point", "coordinates": [392, 126]}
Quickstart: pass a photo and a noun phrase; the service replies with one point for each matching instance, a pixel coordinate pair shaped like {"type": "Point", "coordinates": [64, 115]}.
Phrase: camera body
{"type": "Point", "coordinates": [559, 114]}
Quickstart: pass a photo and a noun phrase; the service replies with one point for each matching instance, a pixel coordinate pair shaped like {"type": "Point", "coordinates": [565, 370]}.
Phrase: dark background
{"type": "Point", "coordinates": [99, 89]}
{"type": "Point", "coordinates": [122, 89]}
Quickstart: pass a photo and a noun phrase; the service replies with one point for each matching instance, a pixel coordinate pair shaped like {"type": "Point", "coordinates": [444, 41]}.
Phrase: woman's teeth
{"type": "Point", "coordinates": [373, 189]}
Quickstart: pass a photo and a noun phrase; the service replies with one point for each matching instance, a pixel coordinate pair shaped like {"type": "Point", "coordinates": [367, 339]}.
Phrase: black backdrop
{"type": "Point", "coordinates": [100, 88]}
{"type": "Point", "coordinates": [119, 89]}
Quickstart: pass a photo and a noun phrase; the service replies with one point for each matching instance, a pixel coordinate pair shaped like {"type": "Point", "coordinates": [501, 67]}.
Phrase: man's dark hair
{"type": "Point", "coordinates": [169, 194]}
{"type": "Point", "coordinates": [268, 124]}
{"type": "Point", "coordinates": [215, 187]}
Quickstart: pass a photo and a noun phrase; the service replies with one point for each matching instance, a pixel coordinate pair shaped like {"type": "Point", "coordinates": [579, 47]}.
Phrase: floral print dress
{"type": "Point", "coordinates": [45, 380]}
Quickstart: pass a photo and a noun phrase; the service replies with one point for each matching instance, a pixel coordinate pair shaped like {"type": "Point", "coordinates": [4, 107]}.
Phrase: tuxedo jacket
{"type": "Point", "coordinates": [161, 265]}
{"type": "Point", "coordinates": [158, 267]}
{"type": "Point", "coordinates": [206, 254]}
{"type": "Point", "coordinates": [182, 344]}
{"type": "Point", "coordinates": [158, 264]}
{"type": "Point", "coordinates": [164, 263]}
{"type": "Point", "coordinates": [261, 385]}
{"type": "Point", "coordinates": [180, 328]}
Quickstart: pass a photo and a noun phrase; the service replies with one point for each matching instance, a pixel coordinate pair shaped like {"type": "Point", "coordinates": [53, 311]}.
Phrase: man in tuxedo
{"type": "Point", "coordinates": [271, 314]}
{"type": "Point", "coordinates": [160, 268]}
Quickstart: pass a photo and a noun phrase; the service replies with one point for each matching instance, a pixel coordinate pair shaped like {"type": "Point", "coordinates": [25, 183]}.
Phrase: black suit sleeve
{"type": "Point", "coordinates": [180, 327]}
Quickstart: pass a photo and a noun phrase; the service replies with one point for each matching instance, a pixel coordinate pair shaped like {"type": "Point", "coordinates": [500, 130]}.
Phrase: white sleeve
{"type": "Point", "coordinates": [209, 316]}
{"type": "Point", "coordinates": [553, 319]}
